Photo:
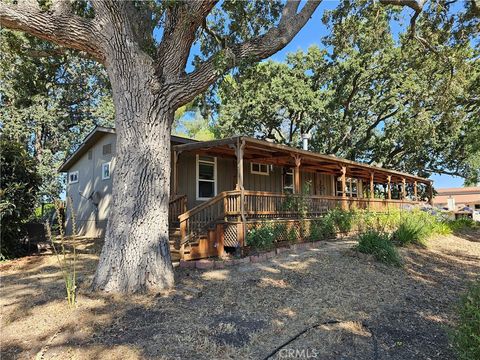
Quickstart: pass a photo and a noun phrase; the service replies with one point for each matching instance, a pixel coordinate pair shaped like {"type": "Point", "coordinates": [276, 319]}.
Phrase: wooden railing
{"type": "Point", "coordinates": [176, 206]}
{"type": "Point", "coordinates": [270, 205]}
{"type": "Point", "coordinates": [198, 219]}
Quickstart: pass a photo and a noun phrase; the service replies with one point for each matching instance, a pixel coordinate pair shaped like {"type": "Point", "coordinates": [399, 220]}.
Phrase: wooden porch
{"type": "Point", "coordinates": [223, 220]}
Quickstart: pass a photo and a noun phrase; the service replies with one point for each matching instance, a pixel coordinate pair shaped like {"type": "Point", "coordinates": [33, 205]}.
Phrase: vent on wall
{"type": "Point", "coordinates": [107, 149]}
{"type": "Point", "coordinates": [90, 155]}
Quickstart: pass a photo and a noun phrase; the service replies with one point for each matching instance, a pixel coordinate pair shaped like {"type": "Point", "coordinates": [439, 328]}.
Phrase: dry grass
{"type": "Point", "coordinates": [245, 312]}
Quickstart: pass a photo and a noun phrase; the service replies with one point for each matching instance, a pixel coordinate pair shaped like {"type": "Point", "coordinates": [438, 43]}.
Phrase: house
{"type": "Point", "coordinates": [222, 188]}
{"type": "Point", "coordinates": [456, 199]}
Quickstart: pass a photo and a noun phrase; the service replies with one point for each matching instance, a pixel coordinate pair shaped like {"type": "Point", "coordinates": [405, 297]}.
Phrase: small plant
{"type": "Point", "coordinates": [261, 237]}
{"type": "Point", "coordinates": [379, 245]}
{"type": "Point", "coordinates": [343, 220]}
{"type": "Point", "coordinates": [466, 335]}
{"type": "Point", "coordinates": [292, 235]}
{"type": "Point", "coordinates": [461, 224]}
{"type": "Point", "coordinates": [409, 232]}
{"type": "Point", "coordinates": [66, 260]}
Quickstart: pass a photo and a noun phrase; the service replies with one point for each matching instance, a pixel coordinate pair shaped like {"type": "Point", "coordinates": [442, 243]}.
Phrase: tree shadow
{"type": "Point", "coordinates": [247, 311]}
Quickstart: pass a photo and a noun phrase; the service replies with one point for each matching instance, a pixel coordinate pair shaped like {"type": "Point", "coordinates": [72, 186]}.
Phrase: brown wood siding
{"type": "Point", "coordinates": [271, 182]}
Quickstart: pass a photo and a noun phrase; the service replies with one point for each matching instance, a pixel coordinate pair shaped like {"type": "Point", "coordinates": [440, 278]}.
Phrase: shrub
{"type": "Point", "coordinates": [379, 245]}
{"type": "Point", "coordinates": [292, 235]}
{"type": "Point", "coordinates": [461, 224]}
{"type": "Point", "coordinates": [342, 220]}
{"type": "Point", "coordinates": [18, 190]}
{"type": "Point", "coordinates": [261, 237]}
{"type": "Point", "coordinates": [466, 335]}
{"type": "Point", "coordinates": [410, 231]}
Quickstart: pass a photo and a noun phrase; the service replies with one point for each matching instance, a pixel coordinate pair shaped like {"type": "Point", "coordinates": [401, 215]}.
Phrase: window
{"type": "Point", "coordinates": [73, 177]}
{"type": "Point", "coordinates": [206, 177]}
{"type": "Point", "coordinates": [288, 181]}
{"type": "Point", "coordinates": [259, 169]}
{"type": "Point", "coordinates": [106, 171]}
{"type": "Point", "coordinates": [351, 187]}
{"type": "Point", "coordinates": [107, 149]}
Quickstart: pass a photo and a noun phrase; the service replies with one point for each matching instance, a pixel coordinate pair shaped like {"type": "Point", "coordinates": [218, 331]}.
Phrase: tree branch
{"type": "Point", "coordinates": [58, 25]}
{"type": "Point", "coordinates": [255, 49]}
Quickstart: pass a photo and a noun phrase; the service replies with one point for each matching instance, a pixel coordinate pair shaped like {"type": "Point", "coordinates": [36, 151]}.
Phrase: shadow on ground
{"type": "Point", "coordinates": [249, 311]}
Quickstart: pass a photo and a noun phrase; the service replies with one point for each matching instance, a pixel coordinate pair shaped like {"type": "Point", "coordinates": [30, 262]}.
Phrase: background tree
{"type": "Point", "coordinates": [18, 187]}
{"type": "Point", "coordinates": [49, 100]}
{"type": "Point", "coordinates": [370, 97]}
{"type": "Point", "coordinates": [149, 82]}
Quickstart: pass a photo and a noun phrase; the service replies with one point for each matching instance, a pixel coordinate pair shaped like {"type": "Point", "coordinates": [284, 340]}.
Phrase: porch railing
{"type": "Point", "coordinates": [258, 204]}
{"type": "Point", "coordinates": [176, 206]}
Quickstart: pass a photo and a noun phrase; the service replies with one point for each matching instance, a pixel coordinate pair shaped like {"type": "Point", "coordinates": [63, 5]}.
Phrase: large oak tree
{"type": "Point", "coordinates": [149, 82]}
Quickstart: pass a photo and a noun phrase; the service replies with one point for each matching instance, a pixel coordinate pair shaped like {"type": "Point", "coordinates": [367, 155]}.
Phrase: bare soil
{"type": "Point", "coordinates": [344, 306]}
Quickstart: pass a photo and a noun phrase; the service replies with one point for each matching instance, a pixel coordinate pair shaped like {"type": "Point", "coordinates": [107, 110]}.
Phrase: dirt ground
{"type": "Point", "coordinates": [345, 306]}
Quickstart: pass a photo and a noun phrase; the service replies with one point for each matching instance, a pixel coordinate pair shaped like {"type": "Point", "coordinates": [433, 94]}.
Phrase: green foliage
{"type": "Point", "coordinates": [19, 185]}
{"type": "Point", "coordinates": [263, 236]}
{"type": "Point", "coordinates": [370, 97]}
{"type": "Point", "coordinates": [322, 228]}
{"type": "Point", "coordinates": [343, 220]}
{"type": "Point", "coordinates": [379, 245]}
{"type": "Point", "coordinates": [50, 103]}
{"type": "Point", "coordinates": [466, 335]}
{"type": "Point", "coordinates": [410, 231]}
{"type": "Point", "coordinates": [462, 224]}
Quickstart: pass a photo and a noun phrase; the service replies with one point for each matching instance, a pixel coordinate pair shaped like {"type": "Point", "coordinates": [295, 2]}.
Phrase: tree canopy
{"type": "Point", "coordinates": [370, 94]}
{"type": "Point", "coordinates": [49, 100]}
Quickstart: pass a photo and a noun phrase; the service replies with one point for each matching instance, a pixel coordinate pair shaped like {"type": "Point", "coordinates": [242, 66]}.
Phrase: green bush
{"type": "Point", "coordinates": [261, 237]}
{"type": "Point", "coordinates": [410, 231]}
{"type": "Point", "coordinates": [466, 335]}
{"type": "Point", "coordinates": [462, 224]}
{"type": "Point", "coordinates": [379, 245]}
{"type": "Point", "coordinates": [18, 190]}
{"type": "Point", "coordinates": [343, 220]}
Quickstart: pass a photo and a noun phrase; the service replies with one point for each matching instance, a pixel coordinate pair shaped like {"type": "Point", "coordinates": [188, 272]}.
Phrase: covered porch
{"type": "Point", "coordinates": [322, 183]}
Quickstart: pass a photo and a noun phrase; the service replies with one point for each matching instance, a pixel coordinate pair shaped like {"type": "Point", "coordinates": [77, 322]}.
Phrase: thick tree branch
{"type": "Point", "coordinates": [252, 50]}
{"type": "Point", "coordinates": [181, 24]}
{"type": "Point", "coordinates": [57, 25]}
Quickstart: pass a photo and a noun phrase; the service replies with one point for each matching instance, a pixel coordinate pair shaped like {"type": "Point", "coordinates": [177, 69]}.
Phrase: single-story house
{"type": "Point", "coordinates": [222, 188]}
{"type": "Point", "coordinates": [455, 198]}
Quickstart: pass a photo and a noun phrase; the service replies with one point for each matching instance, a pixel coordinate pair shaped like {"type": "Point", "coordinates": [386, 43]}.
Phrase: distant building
{"type": "Point", "coordinates": [458, 198]}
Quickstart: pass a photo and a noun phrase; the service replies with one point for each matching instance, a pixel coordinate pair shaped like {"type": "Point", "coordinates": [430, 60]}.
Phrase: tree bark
{"type": "Point", "coordinates": [136, 254]}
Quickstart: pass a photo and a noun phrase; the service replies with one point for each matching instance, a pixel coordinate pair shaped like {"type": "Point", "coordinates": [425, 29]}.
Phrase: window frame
{"type": "Point", "coordinates": [197, 178]}
{"type": "Point", "coordinates": [267, 173]}
{"type": "Point", "coordinates": [288, 189]}
{"type": "Point", "coordinates": [70, 173]}
{"type": "Point", "coordinates": [109, 170]}
{"type": "Point", "coordinates": [349, 185]}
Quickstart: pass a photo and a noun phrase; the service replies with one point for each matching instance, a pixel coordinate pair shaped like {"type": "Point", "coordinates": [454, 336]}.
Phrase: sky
{"type": "Point", "coordinates": [311, 34]}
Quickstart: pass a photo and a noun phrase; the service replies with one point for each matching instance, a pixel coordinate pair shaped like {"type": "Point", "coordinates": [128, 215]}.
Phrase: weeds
{"type": "Point", "coordinates": [466, 335]}
{"type": "Point", "coordinates": [66, 260]}
{"type": "Point", "coordinates": [379, 245]}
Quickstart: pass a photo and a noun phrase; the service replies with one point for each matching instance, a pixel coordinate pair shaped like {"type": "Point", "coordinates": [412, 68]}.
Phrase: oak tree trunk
{"type": "Point", "coordinates": [136, 254]}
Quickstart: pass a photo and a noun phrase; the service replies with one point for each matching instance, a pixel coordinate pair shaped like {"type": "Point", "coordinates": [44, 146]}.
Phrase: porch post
{"type": "Point", "coordinates": [389, 187]}
{"type": "Point", "coordinates": [430, 193]}
{"type": "Point", "coordinates": [415, 190]}
{"type": "Point", "coordinates": [175, 172]}
{"type": "Point", "coordinates": [297, 186]}
{"type": "Point", "coordinates": [372, 189]}
{"type": "Point", "coordinates": [404, 189]}
{"type": "Point", "coordinates": [239, 150]}
{"type": "Point", "coordinates": [344, 188]}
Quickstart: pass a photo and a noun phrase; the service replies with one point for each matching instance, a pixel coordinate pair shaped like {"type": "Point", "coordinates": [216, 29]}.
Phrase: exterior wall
{"type": "Point", "coordinates": [91, 220]}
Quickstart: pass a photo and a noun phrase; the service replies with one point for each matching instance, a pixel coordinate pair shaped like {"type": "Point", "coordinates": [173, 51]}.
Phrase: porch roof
{"type": "Point", "coordinates": [260, 151]}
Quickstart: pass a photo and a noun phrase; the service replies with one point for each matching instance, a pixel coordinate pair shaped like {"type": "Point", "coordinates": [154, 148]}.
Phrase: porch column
{"type": "Point", "coordinates": [297, 186]}
{"type": "Point", "coordinates": [415, 190]}
{"type": "Point", "coordinates": [430, 193]}
{"type": "Point", "coordinates": [389, 187]}
{"type": "Point", "coordinates": [372, 188]}
{"type": "Point", "coordinates": [175, 173]}
{"type": "Point", "coordinates": [239, 150]}
{"type": "Point", "coordinates": [344, 188]}
{"type": "Point", "coordinates": [404, 189]}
